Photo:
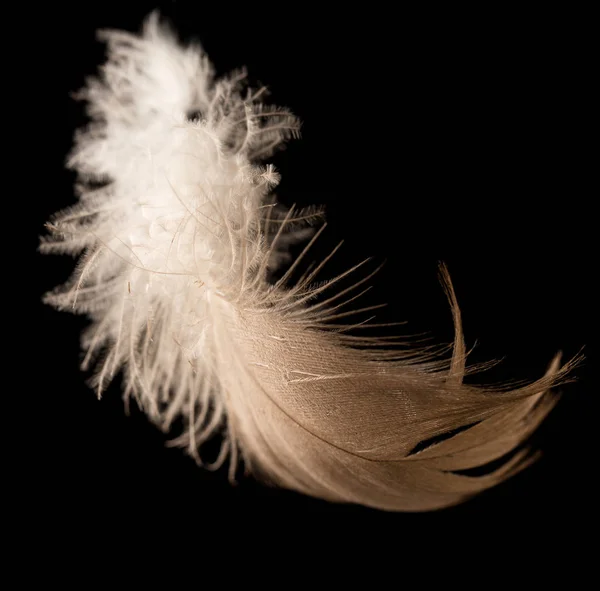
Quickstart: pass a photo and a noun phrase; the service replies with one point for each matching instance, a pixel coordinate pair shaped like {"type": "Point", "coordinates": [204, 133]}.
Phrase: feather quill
{"type": "Point", "coordinates": [178, 234]}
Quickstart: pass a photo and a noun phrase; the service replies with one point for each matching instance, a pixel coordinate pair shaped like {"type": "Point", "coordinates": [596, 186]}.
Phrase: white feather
{"type": "Point", "coordinates": [177, 245]}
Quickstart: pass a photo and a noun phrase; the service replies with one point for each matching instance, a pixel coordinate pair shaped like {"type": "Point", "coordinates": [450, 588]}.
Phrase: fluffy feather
{"type": "Point", "coordinates": [179, 234]}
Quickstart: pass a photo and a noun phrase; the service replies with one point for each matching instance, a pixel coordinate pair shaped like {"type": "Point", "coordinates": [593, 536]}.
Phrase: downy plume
{"type": "Point", "coordinates": [179, 235]}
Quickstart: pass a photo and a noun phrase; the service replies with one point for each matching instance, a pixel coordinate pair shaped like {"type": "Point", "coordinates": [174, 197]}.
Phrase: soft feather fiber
{"type": "Point", "coordinates": [179, 237]}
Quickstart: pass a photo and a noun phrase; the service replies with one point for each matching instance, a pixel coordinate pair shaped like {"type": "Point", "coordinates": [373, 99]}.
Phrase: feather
{"type": "Point", "coordinates": [179, 237]}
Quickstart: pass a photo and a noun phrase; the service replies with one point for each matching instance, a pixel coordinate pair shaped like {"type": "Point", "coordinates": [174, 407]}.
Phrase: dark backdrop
{"type": "Point", "coordinates": [430, 135]}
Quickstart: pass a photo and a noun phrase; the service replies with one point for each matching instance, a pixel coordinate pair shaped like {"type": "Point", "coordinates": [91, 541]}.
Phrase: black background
{"type": "Point", "coordinates": [430, 135]}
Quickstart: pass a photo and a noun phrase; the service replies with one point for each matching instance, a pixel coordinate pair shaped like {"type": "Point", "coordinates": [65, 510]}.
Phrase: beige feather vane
{"type": "Point", "coordinates": [179, 235]}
